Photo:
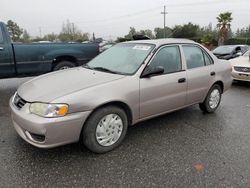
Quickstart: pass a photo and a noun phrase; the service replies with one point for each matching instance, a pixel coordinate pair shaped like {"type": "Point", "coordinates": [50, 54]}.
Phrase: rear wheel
{"type": "Point", "coordinates": [63, 65]}
{"type": "Point", "coordinates": [105, 129]}
{"type": "Point", "coordinates": [212, 100]}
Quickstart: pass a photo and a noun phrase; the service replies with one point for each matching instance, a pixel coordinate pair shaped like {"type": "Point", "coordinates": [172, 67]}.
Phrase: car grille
{"type": "Point", "coordinates": [18, 101]}
{"type": "Point", "coordinates": [242, 69]}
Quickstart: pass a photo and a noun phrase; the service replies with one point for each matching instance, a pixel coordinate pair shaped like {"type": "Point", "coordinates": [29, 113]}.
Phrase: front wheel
{"type": "Point", "coordinates": [213, 99]}
{"type": "Point", "coordinates": [105, 129]}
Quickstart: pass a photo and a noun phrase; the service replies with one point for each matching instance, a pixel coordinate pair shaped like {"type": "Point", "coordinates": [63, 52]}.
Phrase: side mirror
{"type": "Point", "coordinates": [149, 71]}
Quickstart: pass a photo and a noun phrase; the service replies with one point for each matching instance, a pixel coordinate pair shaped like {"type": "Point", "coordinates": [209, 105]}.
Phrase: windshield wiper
{"type": "Point", "coordinates": [86, 66]}
{"type": "Point", "coordinates": [104, 70]}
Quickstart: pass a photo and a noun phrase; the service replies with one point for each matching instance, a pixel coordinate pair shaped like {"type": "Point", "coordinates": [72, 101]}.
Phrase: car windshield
{"type": "Point", "coordinates": [223, 50]}
{"type": "Point", "coordinates": [247, 53]}
{"type": "Point", "coordinates": [124, 58]}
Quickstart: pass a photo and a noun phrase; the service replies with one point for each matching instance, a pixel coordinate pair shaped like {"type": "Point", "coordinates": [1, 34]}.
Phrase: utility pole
{"type": "Point", "coordinates": [164, 16]}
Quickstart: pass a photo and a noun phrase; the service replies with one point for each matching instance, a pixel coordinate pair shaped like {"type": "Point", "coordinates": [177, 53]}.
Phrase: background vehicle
{"type": "Point", "coordinates": [106, 46]}
{"type": "Point", "coordinates": [230, 51]}
{"type": "Point", "coordinates": [34, 59]}
{"type": "Point", "coordinates": [241, 67]}
{"type": "Point", "coordinates": [137, 80]}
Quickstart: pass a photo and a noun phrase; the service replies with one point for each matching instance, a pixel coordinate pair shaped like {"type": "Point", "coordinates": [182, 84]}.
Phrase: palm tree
{"type": "Point", "coordinates": [224, 20]}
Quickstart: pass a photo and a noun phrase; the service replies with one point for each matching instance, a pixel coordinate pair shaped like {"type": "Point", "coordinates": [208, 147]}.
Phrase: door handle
{"type": "Point", "coordinates": [181, 80]}
{"type": "Point", "coordinates": [212, 73]}
{"type": "Point", "coordinates": [1, 48]}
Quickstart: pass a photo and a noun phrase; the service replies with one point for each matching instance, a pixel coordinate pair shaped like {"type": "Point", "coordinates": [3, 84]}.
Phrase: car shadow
{"type": "Point", "coordinates": [241, 84]}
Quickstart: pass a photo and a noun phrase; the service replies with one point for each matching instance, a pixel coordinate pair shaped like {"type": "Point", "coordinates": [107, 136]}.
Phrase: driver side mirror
{"type": "Point", "coordinates": [152, 71]}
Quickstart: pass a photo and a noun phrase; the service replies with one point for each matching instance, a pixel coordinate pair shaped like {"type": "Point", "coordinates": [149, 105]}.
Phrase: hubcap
{"type": "Point", "coordinates": [109, 130]}
{"type": "Point", "coordinates": [214, 98]}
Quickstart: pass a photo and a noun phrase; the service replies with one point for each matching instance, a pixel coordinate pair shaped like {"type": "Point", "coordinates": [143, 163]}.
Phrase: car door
{"type": "Point", "coordinates": [200, 73]}
{"type": "Point", "coordinates": [165, 92]}
{"type": "Point", "coordinates": [7, 66]}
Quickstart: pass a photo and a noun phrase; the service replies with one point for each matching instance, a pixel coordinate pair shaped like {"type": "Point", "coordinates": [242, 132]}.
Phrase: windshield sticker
{"type": "Point", "coordinates": [141, 47]}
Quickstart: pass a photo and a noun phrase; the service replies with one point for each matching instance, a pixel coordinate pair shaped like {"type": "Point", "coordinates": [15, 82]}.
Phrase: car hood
{"type": "Point", "coordinates": [242, 61]}
{"type": "Point", "coordinates": [50, 86]}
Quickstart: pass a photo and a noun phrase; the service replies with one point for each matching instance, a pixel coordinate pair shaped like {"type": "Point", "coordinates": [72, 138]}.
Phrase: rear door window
{"type": "Point", "coordinates": [194, 57]}
{"type": "Point", "coordinates": [208, 59]}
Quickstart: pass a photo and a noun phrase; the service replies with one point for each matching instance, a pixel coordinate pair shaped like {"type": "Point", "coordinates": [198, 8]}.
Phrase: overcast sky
{"type": "Point", "coordinates": [112, 18]}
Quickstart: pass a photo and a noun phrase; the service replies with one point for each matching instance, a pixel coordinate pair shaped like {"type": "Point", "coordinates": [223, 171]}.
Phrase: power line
{"type": "Point", "coordinates": [123, 16]}
{"type": "Point", "coordinates": [126, 17]}
{"type": "Point", "coordinates": [150, 10]}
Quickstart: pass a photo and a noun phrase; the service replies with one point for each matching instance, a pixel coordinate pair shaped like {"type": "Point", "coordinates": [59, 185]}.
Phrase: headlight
{"type": "Point", "coordinates": [49, 110]}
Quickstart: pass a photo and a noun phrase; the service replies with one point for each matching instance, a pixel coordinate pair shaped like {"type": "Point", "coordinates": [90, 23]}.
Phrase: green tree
{"type": "Point", "coordinates": [207, 39]}
{"type": "Point", "coordinates": [224, 24]}
{"type": "Point", "coordinates": [15, 30]}
{"type": "Point", "coordinates": [244, 32]}
{"type": "Point", "coordinates": [131, 33]}
{"type": "Point", "coordinates": [159, 32]}
{"type": "Point", "coordinates": [207, 30]}
{"type": "Point", "coordinates": [186, 31]}
{"type": "Point", "coordinates": [147, 32]}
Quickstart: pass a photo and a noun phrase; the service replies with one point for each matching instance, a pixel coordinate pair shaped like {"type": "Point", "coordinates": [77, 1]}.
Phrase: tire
{"type": "Point", "coordinates": [112, 135]}
{"type": "Point", "coordinates": [63, 65]}
{"type": "Point", "coordinates": [210, 105]}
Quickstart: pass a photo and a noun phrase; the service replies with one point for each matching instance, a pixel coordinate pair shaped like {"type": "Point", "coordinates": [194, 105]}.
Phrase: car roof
{"type": "Point", "coordinates": [159, 42]}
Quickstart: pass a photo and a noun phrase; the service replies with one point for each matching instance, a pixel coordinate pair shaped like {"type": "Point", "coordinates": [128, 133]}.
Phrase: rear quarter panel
{"type": "Point", "coordinates": [223, 70]}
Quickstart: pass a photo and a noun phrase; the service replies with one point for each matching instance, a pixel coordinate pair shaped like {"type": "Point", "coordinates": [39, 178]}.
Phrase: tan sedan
{"type": "Point", "coordinates": [241, 67]}
{"type": "Point", "coordinates": [124, 85]}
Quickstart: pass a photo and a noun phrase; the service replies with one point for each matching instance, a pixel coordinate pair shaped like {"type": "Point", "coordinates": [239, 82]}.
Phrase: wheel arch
{"type": "Point", "coordinates": [119, 104]}
{"type": "Point", "coordinates": [61, 58]}
{"type": "Point", "coordinates": [220, 83]}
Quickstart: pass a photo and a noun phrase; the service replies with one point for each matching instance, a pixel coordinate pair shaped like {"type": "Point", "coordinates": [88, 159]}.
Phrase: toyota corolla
{"type": "Point", "coordinates": [129, 83]}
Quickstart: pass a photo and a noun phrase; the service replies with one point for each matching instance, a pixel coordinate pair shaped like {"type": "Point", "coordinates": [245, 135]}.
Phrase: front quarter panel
{"type": "Point", "coordinates": [124, 90]}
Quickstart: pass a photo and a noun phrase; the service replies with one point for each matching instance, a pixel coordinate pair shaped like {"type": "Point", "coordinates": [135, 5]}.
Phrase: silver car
{"type": "Point", "coordinates": [129, 83]}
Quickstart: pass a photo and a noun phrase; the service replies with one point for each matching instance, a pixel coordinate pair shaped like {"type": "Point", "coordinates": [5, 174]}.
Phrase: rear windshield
{"type": "Point", "coordinates": [247, 53]}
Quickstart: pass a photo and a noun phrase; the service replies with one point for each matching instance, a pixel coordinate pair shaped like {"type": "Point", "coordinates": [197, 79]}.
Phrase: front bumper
{"type": "Point", "coordinates": [241, 76]}
{"type": "Point", "coordinates": [47, 132]}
